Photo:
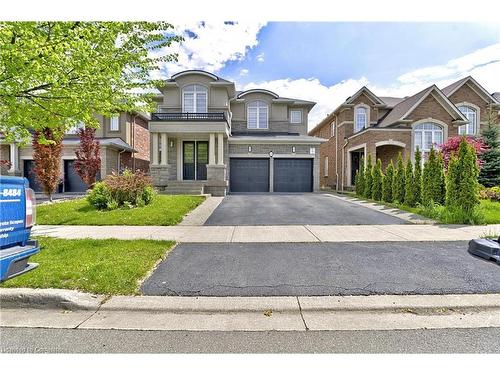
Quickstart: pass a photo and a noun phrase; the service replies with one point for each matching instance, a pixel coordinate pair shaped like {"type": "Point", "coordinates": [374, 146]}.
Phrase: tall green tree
{"type": "Point", "coordinates": [368, 177]}
{"type": "Point", "coordinates": [490, 158]}
{"type": "Point", "coordinates": [377, 181]}
{"type": "Point", "coordinates": [398, 182]}
{"type": "Point", "coordinates": [387, 183]}
{"type": "Point", "coordinates": [56, 74]}
{"type": "Point", "coordinates": [360, 179]}
{"type": "Point", "coordinates": [417, 186]}
{"type": "Point", "coordinates": [433, 183]}
{"type": "Point", "coordinates": [409, 199]}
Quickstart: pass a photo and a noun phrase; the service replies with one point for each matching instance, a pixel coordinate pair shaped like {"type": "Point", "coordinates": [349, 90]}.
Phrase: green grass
{"type": "Point", "coordinates": [164, 210]}
{"type": "Point", "coordinates": [95, 266]}
{"type": "Point", "coordinates": [491, 211]}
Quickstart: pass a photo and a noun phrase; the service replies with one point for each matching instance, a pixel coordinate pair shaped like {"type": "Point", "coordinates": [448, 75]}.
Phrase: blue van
{"type": "Point", "coordinates": [17, 216]}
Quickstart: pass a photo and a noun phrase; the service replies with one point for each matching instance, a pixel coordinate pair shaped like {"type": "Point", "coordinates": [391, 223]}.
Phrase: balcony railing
{"type": "Point", "coordinates": [186, 116]}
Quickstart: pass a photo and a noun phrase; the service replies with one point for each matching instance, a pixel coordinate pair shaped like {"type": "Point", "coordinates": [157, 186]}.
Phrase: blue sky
{"type": "Point", "coordinates": [328, 61]}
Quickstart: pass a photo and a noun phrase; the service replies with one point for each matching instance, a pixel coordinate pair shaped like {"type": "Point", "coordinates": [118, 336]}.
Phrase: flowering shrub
{"type": "Point", "coordinates": [492, 193]}
{"type": "Point", "coordinates": [452, 144]}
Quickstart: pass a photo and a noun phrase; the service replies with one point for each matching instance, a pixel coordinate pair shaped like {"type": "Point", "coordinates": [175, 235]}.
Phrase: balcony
{"type": "Point", "coordinates": [185, 122]}
{"type": "Point", "coordinates": [186, 116]}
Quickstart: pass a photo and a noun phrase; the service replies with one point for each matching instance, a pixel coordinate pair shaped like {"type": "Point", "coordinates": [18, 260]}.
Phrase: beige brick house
{"type": "Point", "coordinates": [366, 124]}
{"type": "Point", "coordinates": [206, 136]}
{"type": "Point", "coordinates": [124, 141]}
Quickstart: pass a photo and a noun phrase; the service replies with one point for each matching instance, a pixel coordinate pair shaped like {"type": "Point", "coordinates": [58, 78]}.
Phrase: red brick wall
{"type": "Point", "coordinates": [140, 142]}
{"type": "Point", "coordinates": [466, 94]}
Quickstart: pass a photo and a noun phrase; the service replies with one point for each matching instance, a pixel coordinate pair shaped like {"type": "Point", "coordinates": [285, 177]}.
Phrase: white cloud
{"type": "Point", "coordinates": [244, 72]}
{"type": "Point", "coordinates": [209, 45]}
{"type": "Point", "coordinates": [260, 57]}
{"type": "Point", "coordinates": [483, 65]}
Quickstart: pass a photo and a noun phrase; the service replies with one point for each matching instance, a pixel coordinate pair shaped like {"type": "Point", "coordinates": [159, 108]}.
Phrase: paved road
{"type": "Point", "coordinates": [39, 340]}
{"type": "Point", "coordinates": [290, 209]}
{"type": "Point", "coordinates": [349, 268]}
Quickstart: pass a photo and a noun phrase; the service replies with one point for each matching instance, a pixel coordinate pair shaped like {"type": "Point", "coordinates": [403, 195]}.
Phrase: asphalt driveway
{"type": "Point", "coordinates": [322, 269]}
{"type": "Point", "coordinates": [294, 209]}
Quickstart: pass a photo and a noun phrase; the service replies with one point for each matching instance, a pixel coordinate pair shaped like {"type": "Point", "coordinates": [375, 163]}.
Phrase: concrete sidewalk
{"type": "Point", "coordinates": [286, 233]}
{"type": "Point", "coordinates": [385, 312]}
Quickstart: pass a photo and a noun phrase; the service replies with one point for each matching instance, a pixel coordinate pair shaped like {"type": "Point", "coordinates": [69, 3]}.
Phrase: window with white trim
{"type": "Point", "coordinates": [360, 119]}
{"type": "Point", "coordinates": [114, 123]}
{"type": "Point", "coordinates": [471, 114]}
{"type": "Point", "coordinates": [74, 128]}
{"type": "Point", "coordinates": [332, 133]}
{"type": "Point", "coordinates": [195, 99]}
{"type": "Point", "coordinates": [325, 167]}
{"type": "Point", "coordinates": [296, 116]}
{"type": "Point", "coordinates": [426, 136]}
{"type": "Point", "coordinates": [257, 115]}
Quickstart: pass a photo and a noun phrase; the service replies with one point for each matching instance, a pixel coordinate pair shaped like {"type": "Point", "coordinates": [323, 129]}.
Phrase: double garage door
{"type": "Point", "coordinates": [72, 181]}
{"type": "Point", "coordinates": [289, 175]}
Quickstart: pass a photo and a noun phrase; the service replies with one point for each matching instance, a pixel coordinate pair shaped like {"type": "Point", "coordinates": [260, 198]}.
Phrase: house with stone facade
{"type": "Point", "coordinates": [124, 141]}
{"type": "Point", "coordinates": [367, 124]}
{"type": "Point", "coordinates": [208, 137]}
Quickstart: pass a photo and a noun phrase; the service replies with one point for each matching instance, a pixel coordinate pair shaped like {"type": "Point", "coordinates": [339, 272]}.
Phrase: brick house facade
{"type": "Point", "coordinates": [382, 127]}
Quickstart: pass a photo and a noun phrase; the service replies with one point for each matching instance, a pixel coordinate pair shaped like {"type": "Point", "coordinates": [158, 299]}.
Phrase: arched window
{"type": "Point", "coordinates": [471, 114]}
{"type": "Point", "coordinates": [257, 115]}
{"type": "Point", "coordinates": [194, 99]}
{"type": "Point", "coordinates": [426, 136]}
{"type": "Point", "coordinates": [360, 119]}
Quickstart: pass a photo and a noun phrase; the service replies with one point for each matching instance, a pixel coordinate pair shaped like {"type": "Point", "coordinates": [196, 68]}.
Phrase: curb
{"type": "Point", "coordinates": [49, 299]}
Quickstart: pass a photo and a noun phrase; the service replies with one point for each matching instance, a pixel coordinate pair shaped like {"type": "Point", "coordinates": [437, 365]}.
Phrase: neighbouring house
{"type": "Point", "coordinates": [124, 141]}
{"type": "Point", "coordinates": [208, 137]}
{"type": "Point", "coordinates": [367, 124]}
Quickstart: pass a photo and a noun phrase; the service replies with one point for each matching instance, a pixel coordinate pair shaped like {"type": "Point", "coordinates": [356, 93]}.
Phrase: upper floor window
{"type": "Point", "coordinates": [295, 117]}
{"type": "Point", "coordinates": [114, 124]}
{"type": "Point", "coordinates": [471, 114]}
{"type": "Point", "coordinates": [195, 99]}
{"type": "Point", "coordinates": [257, 116]}
{"type": "Point", "coordinates": [75, 128]}
{"type": "Point", "coordinates": [427, 135]}
{"type": "Point", "coordinates": [360, 119]}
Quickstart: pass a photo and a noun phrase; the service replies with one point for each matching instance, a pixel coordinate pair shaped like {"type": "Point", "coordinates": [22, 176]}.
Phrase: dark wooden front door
{"type": "Point", "coordinates": [195, 160]}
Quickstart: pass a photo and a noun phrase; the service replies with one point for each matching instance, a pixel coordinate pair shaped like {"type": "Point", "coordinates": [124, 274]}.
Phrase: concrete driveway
{"type": "Point", "coordinates": [348, 268]}
{"type": "Point", "coordinates": [294, 209]}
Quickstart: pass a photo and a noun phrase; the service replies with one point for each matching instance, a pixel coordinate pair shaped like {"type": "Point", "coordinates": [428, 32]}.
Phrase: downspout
{"type": "Point", "coordinates": [346, 141]}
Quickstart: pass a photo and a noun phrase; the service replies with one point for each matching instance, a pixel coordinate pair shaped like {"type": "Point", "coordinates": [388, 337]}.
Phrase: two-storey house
{"type": "Point", "coordinates": [367, 124]}
{"type": "Point", "coordinates": [206, 136]}
{"type": "Point", "coordinates": [124, 142]}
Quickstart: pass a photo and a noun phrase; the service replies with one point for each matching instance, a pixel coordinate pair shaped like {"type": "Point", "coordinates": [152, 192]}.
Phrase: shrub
{"type": "Point", "coordinates": [492, 193]}
{"type": "Point", "coordinates": [409, 199]}
{"type": "Point", "coordinates": [452, 145]}
{"type": "Point", "coordinates": [417, 177]}
{"type": "Point", "coordinates": [387, 183]}
{"type": "Point", "coordinates": [398, 182]}
{"type": "Point", "coordinates": [490, 158]}
{"type": "Point", "coordinates": [433, 183]}
{"type": "Point", "coordinates": [360, 179]}
{"type": "Point", "coordinates": [99, 196]}
{"type": "Point", "coordinates": [377, 181]}
{"type": "Point", "coordinates": [368, 178]}
{"type": "Point", "coordinates": [461, 181]}
{"type": "Point", "coordinates": [88, 157]}
{"type": "Point", "coordinates": [127, 190]}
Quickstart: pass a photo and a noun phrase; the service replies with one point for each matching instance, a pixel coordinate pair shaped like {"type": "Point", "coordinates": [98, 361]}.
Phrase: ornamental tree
{"type": "Point", "coordinates": [368, 178]}
{"type": "Point", "coordinates": [387, 183]}
{"type": "Point", "coordinates": [409, 198]}
{"type": "Point", "coordinates": [360, 179]}
{"type": "Point", "coordinates": [490, 158]}
{"type": "Point", "coordinates": [398, 182]}
{"type": "Point", "coordinates": [433, 183]}
{"type": "Point", "coordinates": [453, 143]}
{"type": "Point", "coordinates": [377, 181]}
{"type": "Point", "coordinates": [47, 159]}
{"type": "Point", "coordinates": [56, 74]}
{"type": "Point", "coordinates": [88, 158]}
{"type": "Point", "coordinates": [417, 177]}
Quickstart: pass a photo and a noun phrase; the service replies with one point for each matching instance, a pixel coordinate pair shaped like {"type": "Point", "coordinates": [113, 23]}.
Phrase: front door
{"type": "Point", "coordinates": [195, 160]}
{"type": "Point", "coordinates": [355, 165]}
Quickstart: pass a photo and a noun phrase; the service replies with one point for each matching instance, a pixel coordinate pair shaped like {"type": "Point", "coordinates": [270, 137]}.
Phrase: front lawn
{"type": "Point", "coordinates": [95, 266]}
{"type": "Point", "coordinates": [491, 211]}
{"type": "Point", "coordinates": [164, 210]}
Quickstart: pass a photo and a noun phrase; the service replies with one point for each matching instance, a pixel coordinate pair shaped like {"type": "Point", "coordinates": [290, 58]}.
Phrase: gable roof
{"type": "Point", "coordinates": [391, 101]}
{"type": "Point", "coordinates": [368, 93]}
{"type": "Point", "coordinates": [450, 89]}
{"type": "Point", "coordinates": [405, 107]}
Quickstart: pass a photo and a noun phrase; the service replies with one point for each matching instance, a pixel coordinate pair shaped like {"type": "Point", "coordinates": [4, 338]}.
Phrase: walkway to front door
{"type": "Point", "coordinates": [194, 160]}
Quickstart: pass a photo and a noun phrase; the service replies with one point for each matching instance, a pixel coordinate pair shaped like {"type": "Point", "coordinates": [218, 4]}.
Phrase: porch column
{"type": "Point", "coordinates": [220, 144]}
{"type": "Point", "coordinates": [14, 158]}
{"type": "Point", "coordinates": [154, 151]}
{"type": "Point", "coordinates": [211, 149]}
{"type": "Point", "coordinates": [164, 149]}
